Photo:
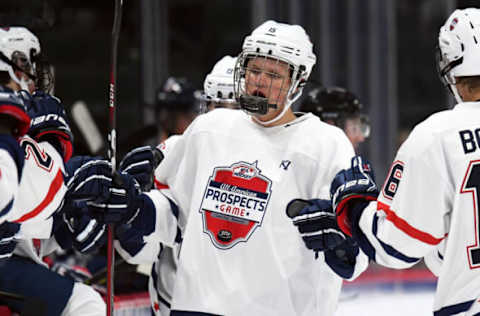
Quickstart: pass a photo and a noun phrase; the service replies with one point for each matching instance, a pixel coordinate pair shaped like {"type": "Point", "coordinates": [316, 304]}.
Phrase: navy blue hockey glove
{"type": "Point", "coordinates": [91, 186]}
{"type": "Point", "coordinates": [315, 220]}
{"type": "Point", "coordinates": [11, 145]}
{"type": "Point", "coordinates": [13, 113]}
{"type": "Point", "coordinates": [73, 227]}
{"type": "Point", "coordinates": [131, 235]}
{"type": "Point", "coordinates": [342, 259]}
{"type": "Point", "coordinates": [141, 163]}
{"type": "Point", "coordinates": [87, 233]}
{"type": "Point", "coordinates": [123, 203]}
{"type": "Point", "coordinates": [7, 241]}
{"type": "Point", "coordinates": [87, 179]}
{"type": "Point", "coordinates": [50, 123]}
{"type": "Point", "coordinates": [351, 188]}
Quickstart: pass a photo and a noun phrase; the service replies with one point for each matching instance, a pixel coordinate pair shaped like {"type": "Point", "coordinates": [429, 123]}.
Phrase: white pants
{"type": "Point", "coordinates": [84, 301]}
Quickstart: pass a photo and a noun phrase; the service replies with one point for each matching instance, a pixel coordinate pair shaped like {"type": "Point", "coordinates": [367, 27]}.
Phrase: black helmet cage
{"type": "Point", "coordinates": [44, 77]}
{"type": "Point", "coordinates": [259, 103]}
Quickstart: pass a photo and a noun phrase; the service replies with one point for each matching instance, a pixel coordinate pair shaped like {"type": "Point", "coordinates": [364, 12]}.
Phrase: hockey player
{"type": "Point", "coordinates": [14, 123]}
{"type": "Point", "coordinates": [339, 107]}
{"type": "Point", "coordinates": [41, 190]}
{"type": "Point", "coordinates": [429, 201]}
{"type": "Point", "coordinates": [230, 177]}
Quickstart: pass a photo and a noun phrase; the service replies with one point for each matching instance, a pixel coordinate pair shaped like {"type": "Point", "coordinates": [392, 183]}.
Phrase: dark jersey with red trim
{"type": "Point", "coordinates": [429, 206]}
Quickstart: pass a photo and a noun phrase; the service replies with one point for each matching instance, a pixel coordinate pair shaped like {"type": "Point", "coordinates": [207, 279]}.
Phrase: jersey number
{"type": "Point", "coordinates": [393, 180]}
{"type": "Point", "coordinates": [42, 159]}
{"type": "Point", "coordinates": [471, 184]}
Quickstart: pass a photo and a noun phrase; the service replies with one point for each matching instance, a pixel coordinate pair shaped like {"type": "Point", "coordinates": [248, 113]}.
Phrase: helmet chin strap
{"type": "Point", "coordinates": [22, 82]}
{"type": "Point", "coordinates": [276, 118]}
{"type": "Point", "coordinates": [454, 91]}
{"type": "Point", "coordinates": [288, 104]}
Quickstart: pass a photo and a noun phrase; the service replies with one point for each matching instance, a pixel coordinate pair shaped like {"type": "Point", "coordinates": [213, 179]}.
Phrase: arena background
{"type": "Point", "coordinates": [382, 50]}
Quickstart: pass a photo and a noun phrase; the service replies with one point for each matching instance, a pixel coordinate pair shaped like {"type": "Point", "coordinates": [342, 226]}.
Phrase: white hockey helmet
{"type": "Point", "coordinates": [282, 42]}
{"type": "Point", "coordinates": [458, 53]}
{"type": "Point", "coordinates": [218, 84]}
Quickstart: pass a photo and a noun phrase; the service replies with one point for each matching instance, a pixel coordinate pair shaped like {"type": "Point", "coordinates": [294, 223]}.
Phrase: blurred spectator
{"type": "Point", "coordinates": [178, 104]}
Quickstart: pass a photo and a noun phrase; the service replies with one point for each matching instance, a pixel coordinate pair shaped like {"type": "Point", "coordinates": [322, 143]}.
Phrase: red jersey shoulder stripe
{"type": "Point", "coordinates": [405, 227]}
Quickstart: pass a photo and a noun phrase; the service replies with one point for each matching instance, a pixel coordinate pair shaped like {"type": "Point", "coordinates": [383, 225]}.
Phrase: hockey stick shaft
{"type": "Point", "coordinates": [112, 149]}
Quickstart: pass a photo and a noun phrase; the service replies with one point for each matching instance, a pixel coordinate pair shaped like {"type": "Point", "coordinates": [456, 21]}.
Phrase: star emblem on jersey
{"type": "Point", "coordinates": [234, 203]}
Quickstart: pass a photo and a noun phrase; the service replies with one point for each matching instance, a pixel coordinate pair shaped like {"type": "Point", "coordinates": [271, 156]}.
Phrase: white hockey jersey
{"type": "Point", "coordinates": [429, 206]}
{"type": "Point", "coordinates": [8, 184]}
{"type": "Point", "coordinates": [41, 189]}
{"type": "Point", "coordinates": [41, 193]}
{"type": "Point", "coordinates": [231, 180]}
{"type": "Point", "coordinates": [164, 270]}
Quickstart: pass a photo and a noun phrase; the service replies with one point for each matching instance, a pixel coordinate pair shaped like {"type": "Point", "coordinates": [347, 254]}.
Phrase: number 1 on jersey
{"type": "Point", "coordinates": [471, 184]}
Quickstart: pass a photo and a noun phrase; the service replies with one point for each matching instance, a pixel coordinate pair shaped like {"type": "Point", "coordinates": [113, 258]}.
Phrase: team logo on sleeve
{"type": "Point", "coordinates": [234, 203]}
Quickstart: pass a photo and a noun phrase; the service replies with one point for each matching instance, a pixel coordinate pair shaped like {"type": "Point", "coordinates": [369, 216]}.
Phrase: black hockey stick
{"type": "Point", "coordinates": [112, 149]}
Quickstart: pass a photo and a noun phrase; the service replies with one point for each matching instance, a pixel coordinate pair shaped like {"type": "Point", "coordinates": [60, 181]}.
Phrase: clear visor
{"type": "Point", "coordinates": [364, 125]}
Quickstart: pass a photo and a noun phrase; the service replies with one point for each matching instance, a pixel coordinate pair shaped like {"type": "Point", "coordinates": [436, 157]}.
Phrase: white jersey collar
{"type": "Point", "coordinates": [468, 105]}
{"type": "Point", "coordinates": [273, 129]}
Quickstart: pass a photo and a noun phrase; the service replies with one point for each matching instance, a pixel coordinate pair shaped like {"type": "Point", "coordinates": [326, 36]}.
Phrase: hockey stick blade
{"type": "Point", "coordinates": [86, 124]}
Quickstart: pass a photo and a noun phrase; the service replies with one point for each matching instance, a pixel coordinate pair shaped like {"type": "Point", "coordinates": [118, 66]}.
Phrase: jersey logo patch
{"type": "Point", "coordinates": [234, 203]}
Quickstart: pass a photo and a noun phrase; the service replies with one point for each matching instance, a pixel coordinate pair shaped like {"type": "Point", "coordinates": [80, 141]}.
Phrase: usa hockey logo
{"type": "Point", "coordinates": [234, 203]}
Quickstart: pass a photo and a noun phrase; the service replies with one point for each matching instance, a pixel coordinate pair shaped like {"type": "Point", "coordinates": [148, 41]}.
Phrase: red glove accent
{"type": "Point", "coordinates": [342, 211]}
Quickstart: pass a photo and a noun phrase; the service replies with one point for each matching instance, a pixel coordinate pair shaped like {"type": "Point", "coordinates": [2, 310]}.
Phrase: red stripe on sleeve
{"type": "Point", "coordinates": [406, 227]}
{"type": "Point", "coordinates": [52, 191]}
{"type": "Point", "coordinates": [160, 185]}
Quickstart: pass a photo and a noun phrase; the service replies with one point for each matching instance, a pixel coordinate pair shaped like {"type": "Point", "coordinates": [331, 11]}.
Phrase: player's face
{"type": "Point", "coordinates": [269, 78]}
{"type": "Point", "coordinates": [353, 130]}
